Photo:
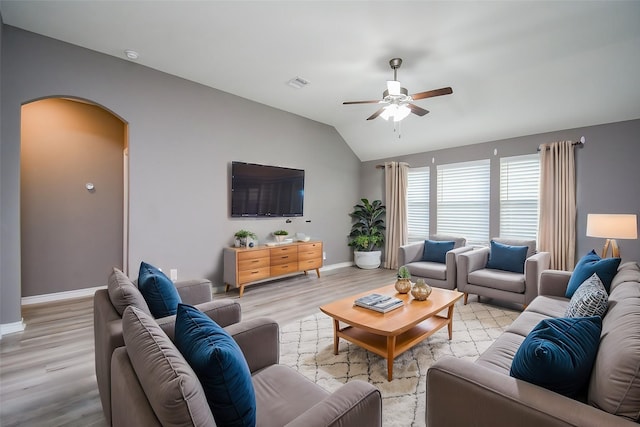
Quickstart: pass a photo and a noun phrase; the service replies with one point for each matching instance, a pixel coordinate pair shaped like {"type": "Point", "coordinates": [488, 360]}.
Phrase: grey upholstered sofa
{"type": "Point", "coordinates": [521, 288]}
{"type": "Point", "coordinates": [109, 304]}
{"type": "Point", "coordinates": [482, 393]}
{"type": "Point", "coordinates": [153, 385]}
{"type": "Point", "coordinates": [435, 274]}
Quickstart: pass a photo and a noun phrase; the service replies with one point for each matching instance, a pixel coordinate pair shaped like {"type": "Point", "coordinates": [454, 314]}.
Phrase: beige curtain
{"type": "Point", "coordinates": [557, 228]}
{"type": "Point", "coordinates": [395, 174]}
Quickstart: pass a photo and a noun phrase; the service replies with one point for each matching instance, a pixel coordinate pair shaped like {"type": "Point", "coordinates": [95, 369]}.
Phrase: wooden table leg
{"type": "Point", "coordinates": [318, 272]}
{"type": "Point", "coordinates": [336, 326]}
{"type": "Point", "coordinates": [241, 291]}
{"type": "Point", "coordinates": [391, 346]}
{"type": "Point", "coordinates": [450, 325]}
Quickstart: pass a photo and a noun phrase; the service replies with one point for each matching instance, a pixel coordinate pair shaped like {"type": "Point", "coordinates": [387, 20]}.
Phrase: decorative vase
{"type": "Point", "coordinates": [421, 290]}
{"type": "Point", "coordinates": [280, 238]}
{"type": "Point", "coordinates": [367, 260]}
{"type": "Point", "coordinates": [403, 286]}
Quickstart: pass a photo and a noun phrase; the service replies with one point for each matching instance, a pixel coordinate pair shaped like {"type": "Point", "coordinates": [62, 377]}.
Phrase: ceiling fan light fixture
{"type": "Point", "coordinates": [393, 87]}
{"type": "Point", "coordinates": [401, 113]}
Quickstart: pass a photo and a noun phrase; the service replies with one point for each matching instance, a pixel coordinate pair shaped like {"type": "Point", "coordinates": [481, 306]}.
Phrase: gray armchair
{"type": "Point", "coordinates": [521, 288]}
{"type": "Point", "coordinates": [435, 273]}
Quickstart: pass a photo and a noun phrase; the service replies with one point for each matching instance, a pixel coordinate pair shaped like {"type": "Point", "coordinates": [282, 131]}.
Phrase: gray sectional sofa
{"type": "Point", "coordinates": [482, 393]}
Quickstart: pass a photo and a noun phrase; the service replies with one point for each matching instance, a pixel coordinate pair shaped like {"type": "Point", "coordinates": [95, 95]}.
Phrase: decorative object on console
{"type": "Point", "coordinates": [243, 238]}
{"type": "Point", "coordinates": [403, 284]}
{"type": "Point", "coordinates": [280, 235]}
{"type": "Point", "coordinates": [421, 290]}
{"type": "Point", "coordinates": [367, 233]}
{"type": "Point", "coordinates": [612, 227]}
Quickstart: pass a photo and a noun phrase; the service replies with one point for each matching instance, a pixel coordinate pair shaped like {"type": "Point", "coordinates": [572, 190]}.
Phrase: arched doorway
{"type": "Point", "coordinates": [73, 195]}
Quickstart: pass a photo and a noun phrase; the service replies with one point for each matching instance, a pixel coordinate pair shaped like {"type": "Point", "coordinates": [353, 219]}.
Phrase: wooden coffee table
{"type": "Point", "coordinates": [391, 334]}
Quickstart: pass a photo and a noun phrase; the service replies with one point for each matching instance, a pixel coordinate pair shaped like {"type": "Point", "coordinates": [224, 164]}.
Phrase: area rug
{"type": "Point", "coordinates": [307, 346]}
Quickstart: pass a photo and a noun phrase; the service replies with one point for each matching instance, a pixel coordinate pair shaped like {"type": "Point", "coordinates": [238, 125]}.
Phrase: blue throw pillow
{"type": "Point", "coordinates": [220, 366]}
{"type": "Point", "coordinates": [558, 354]}
{"type": "Point", "coordinates": [507, 257]}
{"type": "Point", "coordinates": [591, 263]}
{"type": "Point", "coordinates": [158, 291]}
{"type": "Point", "coordinates": [436, 250]}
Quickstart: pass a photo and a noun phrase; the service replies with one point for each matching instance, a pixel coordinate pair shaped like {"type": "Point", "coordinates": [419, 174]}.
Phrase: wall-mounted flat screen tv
{"type": "Point", "coordinates": [266, 191]}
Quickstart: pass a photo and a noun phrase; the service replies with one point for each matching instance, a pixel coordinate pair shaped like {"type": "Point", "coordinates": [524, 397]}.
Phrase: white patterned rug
{"type": "Point", "coordinates": [307, 346]}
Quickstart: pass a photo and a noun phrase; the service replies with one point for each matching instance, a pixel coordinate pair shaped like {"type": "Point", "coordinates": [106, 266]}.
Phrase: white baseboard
{"type": "Point", "coordinates": [336, 266]}
{"type": "Point", "coordinates": [10, 328]}
{"type": "Point", "coordinates": [60, 296]}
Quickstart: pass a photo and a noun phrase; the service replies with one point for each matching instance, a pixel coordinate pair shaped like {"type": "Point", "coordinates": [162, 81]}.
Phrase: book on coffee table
{"type": "Point", "coordinates": [378, 302]}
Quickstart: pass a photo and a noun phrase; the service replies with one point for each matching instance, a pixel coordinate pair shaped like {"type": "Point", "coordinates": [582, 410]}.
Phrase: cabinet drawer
{"type": "Point", "coordinates": [249, 264]}
{"type": "Point", "coordinates": [284, 250]}
{"type": "Point", "coordinates": [310, 246]}
{"type": "Point", "coordinates": [249, 254]}
{"type": "Point", "coordinates": [253, 274]}
{"type": "Point", "coordinates": [310, 254]}
{"type": "Point", "coordinates": [284, 259]}
{"type": "Point", "coordinates": [277, 270]}
{"type": "Point", "coordinates": [310, 264]}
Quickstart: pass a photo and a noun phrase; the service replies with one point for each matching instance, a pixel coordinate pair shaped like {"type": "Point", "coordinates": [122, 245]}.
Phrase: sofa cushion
{"type": "Point", "coordinates": [123, 293]}
{"type": "Point", "coordinates": [627, 272]}
{"type": "Point", "coordinates": [158, 290]}
{"type": "Point", "coordinates": [219, 364]}
{"type": "Point", "coordinates": [507, 257]}
{"type": "Point", "coordinates": [497, 279]}
{"type": "Point", "coordinates": [282, 394]}
{"type": "Point", "coordinates": [458, 241]}
{"type": "Point", "coordinates": [591, 263]}
{"type": "Point", "coordinates": [550, 306]}
{"type": "Point", "coordinates": [530, 244]}
{"type": "Point", "coordinates": [558, 354]}
{"type": "Point", "coordinates": [526, 322]}
{"type": "Point", "coordinates": [169, 383]}
{"type": "Point", "coordinates": [436, 251]}
{"type": "Point", "coordinates": [590, 299]}
{"type": "Point", "coordinates": [499, 356]}
{"type": "Point", "coordinates": [433, 270]}
{"type": "Point", "coordinates": [615, 379]}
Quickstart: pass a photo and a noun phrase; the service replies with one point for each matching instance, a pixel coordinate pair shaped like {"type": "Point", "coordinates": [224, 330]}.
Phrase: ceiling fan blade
{"type": "Point", "coordinates": [360, 102]}
{"type": "Point", "coordinates": [376, 114]}
{"type": "Point", "coordinates": [432, 93]}
{"type": "Point", "coordinates": [417, 110]}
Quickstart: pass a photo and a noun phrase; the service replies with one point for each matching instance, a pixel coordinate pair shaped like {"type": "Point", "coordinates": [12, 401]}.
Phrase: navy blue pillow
{"type": "Point", "coordinates": [436, 250]}
{"type": "Point", "coordinates": [507, 257]}
{"type": "Point", "coordinates": [591, 263]}
{"type": "Point", "coordinates": [220, 366]}
{"type": "Point", "coordinates": [158, 291]}
{"type": "Point", "coordinates": [558, 354]}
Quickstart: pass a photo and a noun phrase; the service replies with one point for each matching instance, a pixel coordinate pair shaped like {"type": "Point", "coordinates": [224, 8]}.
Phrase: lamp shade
{"type": "Point", "coordinates": [612, 226]}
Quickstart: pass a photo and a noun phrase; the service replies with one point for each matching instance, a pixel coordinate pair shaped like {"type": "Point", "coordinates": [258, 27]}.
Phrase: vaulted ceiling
{"type": "Point", "coordinates": [516, 67]}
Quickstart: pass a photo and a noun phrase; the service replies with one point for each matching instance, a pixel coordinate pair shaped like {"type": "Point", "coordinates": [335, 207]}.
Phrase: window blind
{"type": "Point", "coordinates": [418, 204]}
{"type": "Point", "coordinates": [519, 194]}
{"type": "Point", "coordinates": [463, 200]}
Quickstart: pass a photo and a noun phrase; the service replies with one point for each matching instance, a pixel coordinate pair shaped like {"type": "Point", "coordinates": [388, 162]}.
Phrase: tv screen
{"type": "Point", "coordinates": [261, 190]}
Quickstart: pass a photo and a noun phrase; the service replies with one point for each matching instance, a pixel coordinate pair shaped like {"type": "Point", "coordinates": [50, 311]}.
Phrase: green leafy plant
{"type": "Point", "coordinates": [243, 234]}
{"type": "Point", "coordinates": [403, 273]}
{"type": "Point", "coordinates": [281, 233]}
{"type": "Point", "coordinates": [367, 230]}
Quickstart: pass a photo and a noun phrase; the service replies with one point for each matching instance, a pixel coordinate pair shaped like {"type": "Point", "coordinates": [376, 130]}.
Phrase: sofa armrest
{"type": "Point", "coordinates": [194, 291]}
{"type": "Point", "coordinates": [410, 253]}
{"type": "Point", "coordinates": [357, 403]}
{"type": "Point", "coordinates": [452, 264]}
{"type": "Point", "coordinates": [554, 282]}
{"type": "Point", "coordinates": [259, 340]}
{"type": "Point", "coordinates": [533, 268]}
{"type": "Point", "coordinates": [500, 400]}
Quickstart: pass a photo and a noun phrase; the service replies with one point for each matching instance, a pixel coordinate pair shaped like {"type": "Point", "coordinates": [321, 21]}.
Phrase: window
{"type": "Point", "coordinates": [418, 204]}
{"type": "Point", "coordinates": [463, 200]}
{"type": "Point", "coordinates": [519, 190]}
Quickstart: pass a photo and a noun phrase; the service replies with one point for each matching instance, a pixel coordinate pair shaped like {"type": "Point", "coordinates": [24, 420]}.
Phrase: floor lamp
{"type": "Point", "coordinates": [612, 227]}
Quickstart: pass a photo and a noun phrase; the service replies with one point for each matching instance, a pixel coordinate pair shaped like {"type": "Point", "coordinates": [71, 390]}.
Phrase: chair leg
{"type": "Point", "coordinates": [466, 297]}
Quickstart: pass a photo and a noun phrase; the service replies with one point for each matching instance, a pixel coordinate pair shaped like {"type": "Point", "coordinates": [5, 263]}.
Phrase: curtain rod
{"type": "Point", "coordinates": [580, 142]}
{"type": "Point", "coordinates": [382, 166]}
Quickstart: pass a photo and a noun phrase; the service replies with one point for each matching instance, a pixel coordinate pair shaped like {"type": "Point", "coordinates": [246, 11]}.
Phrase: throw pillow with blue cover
{"type": "Point", "coordinates": [220, 366]}
{"type": "Point", "coordinates": [507, 257]}
{"type": "Point", "coordinates": [436, 250]}
{"type": "Point", "coordinates": [558, 354]}
{"type": "Point", "coordinates": [591, 263]}
{"type": "Point", "coordinates": [591, 299]}
{"type": "Point", "coordinates": [158, 291]}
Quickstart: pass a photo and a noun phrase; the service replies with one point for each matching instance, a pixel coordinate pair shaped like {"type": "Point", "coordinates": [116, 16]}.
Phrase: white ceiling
{"type": "Point", "coordinates": [516, 67]}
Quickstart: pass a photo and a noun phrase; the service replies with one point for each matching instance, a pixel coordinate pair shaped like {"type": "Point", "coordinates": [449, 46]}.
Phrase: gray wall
{"type": "Point", "coordinates": [182, 138]}
{"type": "Point", "coordinates": [607, 175]}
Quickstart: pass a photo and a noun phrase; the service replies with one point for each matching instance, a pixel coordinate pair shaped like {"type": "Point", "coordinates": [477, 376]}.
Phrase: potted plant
{"type": "Point", "coordinates": [280, 235]}
{"type": "Point", "coordinates": [367, 233]}
{"type": "Point", "coordinates": [403, 284]}
{"type": "Point", "coordinates": [243, 237]}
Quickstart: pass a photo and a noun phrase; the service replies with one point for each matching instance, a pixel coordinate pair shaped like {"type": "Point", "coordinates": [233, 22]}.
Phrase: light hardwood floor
{"type": "Point", "coordinates": [47, 373]}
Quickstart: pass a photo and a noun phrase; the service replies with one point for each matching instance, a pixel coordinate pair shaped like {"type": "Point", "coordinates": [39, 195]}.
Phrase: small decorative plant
{"type": "Point", "coordinates": [243, 236]}
{"type": "Point", "coordinates": [403, 284]}
{"type": "Point", "coordinates": [281, 233]}
{"type": "Point", "coordinates": [403, 273]}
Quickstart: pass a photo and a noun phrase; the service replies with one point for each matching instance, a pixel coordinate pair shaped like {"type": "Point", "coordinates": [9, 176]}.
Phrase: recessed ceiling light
{"type": "Point", "coordinates": [131, 54]}
{"type": "Point", "coordinates": [298, 82]}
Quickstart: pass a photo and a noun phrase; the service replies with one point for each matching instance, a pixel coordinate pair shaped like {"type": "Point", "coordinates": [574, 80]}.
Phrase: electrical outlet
{"type": "Point", "coordinates": [173, 273]}
{"type": "Point", "coordinates": [324, 255]}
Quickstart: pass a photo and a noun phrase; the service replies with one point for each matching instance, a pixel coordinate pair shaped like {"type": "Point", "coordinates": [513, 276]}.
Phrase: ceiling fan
{"type": "Point", "coordinates": [398, 102]}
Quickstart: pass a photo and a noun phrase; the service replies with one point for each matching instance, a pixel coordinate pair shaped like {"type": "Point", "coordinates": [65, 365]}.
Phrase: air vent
{"type": "Point", "coordinates": [298, 82]}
